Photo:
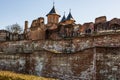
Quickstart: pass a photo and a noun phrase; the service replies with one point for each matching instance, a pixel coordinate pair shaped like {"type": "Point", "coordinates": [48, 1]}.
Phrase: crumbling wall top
{"type": "Point", "coordinates": [101, 19]}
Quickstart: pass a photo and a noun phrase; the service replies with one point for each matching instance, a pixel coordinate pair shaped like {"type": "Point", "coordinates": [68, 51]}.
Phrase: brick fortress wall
{"type": "Point", "coordinates": [96, 58]}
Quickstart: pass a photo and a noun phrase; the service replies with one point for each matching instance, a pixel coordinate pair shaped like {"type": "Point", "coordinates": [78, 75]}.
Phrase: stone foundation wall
{"type": "Point", "coordinates": [62, 46]}
{"type": "Point", "coordinates": [47, 64]}
{"type": "Point", "coordinates": [93, 58]}
{"type": "Point", "coordinates": [92, 64]}
{"type": "Point", "coordinates": [108, 63]}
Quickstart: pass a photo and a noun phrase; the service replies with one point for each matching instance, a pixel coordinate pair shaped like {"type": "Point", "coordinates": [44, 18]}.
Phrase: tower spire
{"type": "Point", "coordinates": [70, 18]}
{"type": "Point", "coordinates": [64, 12]}
{"type": "Point", "coordinates": [69, 10]}
{"type": "Point", "coordinates": [63, 18]}
{"type": "Point", "coordinates": [53, 16]}
{"type": "Point", "coordinates": [53, 10]}
{"type": "Point", "coordinates": [53, 3]}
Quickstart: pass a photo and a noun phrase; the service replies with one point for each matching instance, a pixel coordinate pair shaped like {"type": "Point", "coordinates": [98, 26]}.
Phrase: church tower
{"type": "Point", "coordinates": [70, 19]}
{"type": "Point", "coordinates": [63, 19]}
{"type": "Point", "coordinates": [53, 16]}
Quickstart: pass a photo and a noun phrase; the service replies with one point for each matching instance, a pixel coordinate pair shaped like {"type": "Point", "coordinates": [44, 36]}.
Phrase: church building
{"type": "Point", "coordinates": [55, 29]}
{"type": "Point", "coordinates": [66, 28]}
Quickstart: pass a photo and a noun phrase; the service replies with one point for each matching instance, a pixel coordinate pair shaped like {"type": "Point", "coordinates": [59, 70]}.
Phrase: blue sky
{"type": "Point", "coordinates": [17, 11]}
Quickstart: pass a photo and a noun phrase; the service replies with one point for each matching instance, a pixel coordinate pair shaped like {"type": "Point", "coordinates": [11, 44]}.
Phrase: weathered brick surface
{"type": "Point", "coordinates": [79, 66]}
{"type": "Point", "coordinates": [70, 66]}
{"type": "Point", "coordinates": [108, 63]}
{"type": "Point", "coordinates": [63, 66]}
{"type": "Point", "coordinates": [93, 58]}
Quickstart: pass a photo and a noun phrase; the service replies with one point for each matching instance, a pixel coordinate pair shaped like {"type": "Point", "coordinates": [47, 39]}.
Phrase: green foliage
{"type": "Point", "coordinates": [6, 75]}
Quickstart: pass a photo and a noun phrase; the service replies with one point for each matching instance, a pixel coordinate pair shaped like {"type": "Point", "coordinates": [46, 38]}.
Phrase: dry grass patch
{"type": "Point", "coordinates": [6, 75]}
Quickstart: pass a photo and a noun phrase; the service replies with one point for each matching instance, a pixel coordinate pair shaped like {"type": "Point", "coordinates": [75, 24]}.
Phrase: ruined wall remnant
{"type": "Point", "coordinates": [101, 19]}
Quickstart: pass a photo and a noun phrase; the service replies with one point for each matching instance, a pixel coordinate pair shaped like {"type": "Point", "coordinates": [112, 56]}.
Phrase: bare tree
{"type": "Point", "coordinates": [14, 28]}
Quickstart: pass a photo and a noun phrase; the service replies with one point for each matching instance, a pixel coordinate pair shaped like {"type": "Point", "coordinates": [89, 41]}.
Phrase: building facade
{"type": "Point", "coordinates": [57, 29]}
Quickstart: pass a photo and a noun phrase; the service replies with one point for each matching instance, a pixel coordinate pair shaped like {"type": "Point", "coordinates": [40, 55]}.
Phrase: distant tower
{"type": "Point", "coordinates": [26, 26]}
{"type": "Point", "coordinates": [70, 19]}
{"type": "Point", "coordinates": [53, 16]}
{"type": "Point", "coordinates": [63, 19]}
